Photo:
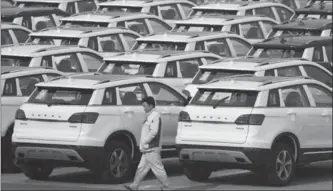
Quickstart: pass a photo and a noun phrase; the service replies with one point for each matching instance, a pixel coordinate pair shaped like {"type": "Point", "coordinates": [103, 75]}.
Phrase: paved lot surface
{"type": "Point", "coordinates": [317, 176]}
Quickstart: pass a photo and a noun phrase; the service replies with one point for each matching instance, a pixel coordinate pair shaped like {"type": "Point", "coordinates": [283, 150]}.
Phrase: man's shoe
{"type": "Point", "coordinates": [129, 187]}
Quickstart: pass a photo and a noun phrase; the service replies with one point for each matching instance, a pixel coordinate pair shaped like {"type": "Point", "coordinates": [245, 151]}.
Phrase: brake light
{"type": "Point", "coordinates": [250, 119]}
{"type": "Point", "coordinates": [20, 115]}
{"type": "Point", "coordinates": [184, 117]}
{"type": "Point", "coordinates": [87, 117]}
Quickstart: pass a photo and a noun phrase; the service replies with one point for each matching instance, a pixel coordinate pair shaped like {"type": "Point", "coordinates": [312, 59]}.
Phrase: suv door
{"type": "Point", "coordinates": [169, 103]}
{"type": "Point", "coordinates": [320, 135]}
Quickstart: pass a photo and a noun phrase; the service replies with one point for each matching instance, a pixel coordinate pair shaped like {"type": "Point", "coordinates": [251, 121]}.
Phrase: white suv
{"type": "Point", "coordinates": [17, 83]}
{"type": "Point", "coordinates": [92, 121]}
{"type": "Point", "coordinates": [264, 124]}
{"type": "Point", "coordinates": [259, 67]}
{"type": "Point", "coordinates": [175, 67]}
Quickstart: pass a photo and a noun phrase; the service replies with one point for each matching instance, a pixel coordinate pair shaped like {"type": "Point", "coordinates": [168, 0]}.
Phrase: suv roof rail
{"type": "Point", "coordinates": [282, 60]}
{"type": "Point", "coordinates": [284, 79]}
{"type": "Point", "coordinates": [230, 77]}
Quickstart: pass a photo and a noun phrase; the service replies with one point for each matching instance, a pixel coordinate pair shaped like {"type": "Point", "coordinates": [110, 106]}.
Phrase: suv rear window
{"type": "Point", "coordinates": [61, 96]}
{"type": "Point", "coordinates": [224, 98]}
{"type": "Point", "coordinates": [205, 76]}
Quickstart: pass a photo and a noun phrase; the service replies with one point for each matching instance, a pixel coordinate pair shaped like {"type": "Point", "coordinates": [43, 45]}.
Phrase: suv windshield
{"type": "Point", "coordinates": [15, 61]}
{"type": "Point", "coordinates": [121, 9]}
{"type": "Point", "coordinates": [60, 96]}
{"type": "Point", "coordinates": [276, 53]}
{"type": "Point", "coordinates": [146, 45]}
{"type": "Point", "coordinates": [132, 68]}
{"type": "Point", "coordinates": [204, 76]}
{"type": "Point", "coordinates": [224, 98]}
{"type": "Point", "coordinates": [276, 33]}
{"type": "Point", "coordinates": [197, 28]}
{"type": "Point", "coordinates": [55, 40]}
{"type": "Point", "coordinates": [200, 12]}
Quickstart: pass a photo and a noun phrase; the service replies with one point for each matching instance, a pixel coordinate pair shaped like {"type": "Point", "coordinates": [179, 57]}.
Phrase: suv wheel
{"type": "Point", "coordinates": [197, 172]}
{"type": "Point", "coordinates": [118, 165]}
{"type": "Point", "coordinates": [36, 172]}
{"type": "Point", "coordinates": [282, 167]}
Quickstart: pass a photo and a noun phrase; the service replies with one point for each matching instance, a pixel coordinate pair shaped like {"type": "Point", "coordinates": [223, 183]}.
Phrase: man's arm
{"type": "Point", "coordinates": [154, 126]}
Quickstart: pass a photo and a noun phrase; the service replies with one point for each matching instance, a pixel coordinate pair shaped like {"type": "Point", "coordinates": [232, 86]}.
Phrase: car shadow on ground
{"type": "Point", "coordinates": [303, 175]}
{"type": "Point", "coordinates": [173, 168]}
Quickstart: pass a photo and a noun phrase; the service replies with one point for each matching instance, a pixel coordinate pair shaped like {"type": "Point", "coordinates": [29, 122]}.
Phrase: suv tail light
{"type": "Point", "coordinates": [250, 119]}
{"type": "Point", "coordinates": [88, 117]}
{"type": "Point", "coordinates": [20, 115]}
{"type": "Point", "coordinates": [184, 117]}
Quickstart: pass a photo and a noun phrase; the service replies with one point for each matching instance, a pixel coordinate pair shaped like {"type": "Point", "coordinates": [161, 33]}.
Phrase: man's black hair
{"type": "Point", "coordinates": [149, 100]}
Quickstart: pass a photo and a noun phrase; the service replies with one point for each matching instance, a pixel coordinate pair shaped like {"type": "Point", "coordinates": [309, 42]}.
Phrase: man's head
{"type": "Point", "coordinates": [148, 104]}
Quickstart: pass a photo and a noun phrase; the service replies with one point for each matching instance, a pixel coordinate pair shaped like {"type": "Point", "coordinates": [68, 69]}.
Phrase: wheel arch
{"type": "Point", "coordinates": [290, 139]}
{"type": "Point", "coordinates": [124, 136]}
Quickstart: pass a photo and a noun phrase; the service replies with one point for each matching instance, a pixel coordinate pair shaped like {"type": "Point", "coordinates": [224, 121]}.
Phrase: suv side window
{"type": "Point", "coordinates": [235, 29]}
{"type": "Point", "coordinates": [269, 72]}
{"type": "Point", "coordinates": [154, 10]}
{"type": "Point", "coordinates": [283, 13]}
{"type": "Point", "coordinates": [92, 43]}
{"type": "Point", "coordinates": [273, 98]}
{"type": "Point", "coordinates": [21, 35]}
{"type": "Point", "coordinates": [321, 96]}
{"type": "Point", "coordinates": [318, 54]}
{"type": "Point", "coordinates": [138, 25]}
{"type": "Point", "coordinates": [187, 8]}
{"type": "Point", "coordinates": [132, 94]}
{"type": "Point", "coordinates": [265, 11]}
{"type": "Point", "coordinates": [249, 12]}
{"type": "Point", "coordinates": [165, 95]}
{"type": "Point", "coordinates": [200, 46]}
{"type": "Point", "coordinates": [27, 83]}
{"type": "Point", "coordinates": [219, 47]}
{"type": "Point", "coordinates": [268, 25]}
{"type": "Point", "coordinates": [6, 38]}
{"type": "Point", "coordinates": [189, 67]}
{"type": "Point", "coordinates": [171, 70]}
{"type": "Point", "coordinates": [47, 61]}
{"type": "Point", "coordinates": [318, 74]}
{"type": "Point", "coordinates": [158, 26]}
{"type": "Point", "coordinates": [67, 62]}
{"type": "Point", "coordinates": [240, 46]}
{"type": "Point", "coordinates": [130, 39]}
{"type": "Point", "coordinates": [110, 97]}
{"type": "Point", "coordinates": [111, 43]}
{"type": "Point", "coordinates": [10, 88]}
{"type": "Point", "coordinates": [92, 61]}
{"type": "Point", "coordinates": [170, 12]}
{"type": "Point", "coordinates": [294, 96]}
{"type": "Point", "coordinates": [252, 30]}
{"type": "Point", "coordinates": [70, 8]}
{"type": "Point", "coordinates": [289, 71]}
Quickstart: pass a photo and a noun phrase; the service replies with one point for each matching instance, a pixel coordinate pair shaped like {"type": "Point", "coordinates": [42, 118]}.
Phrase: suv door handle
{"type": "Point", "coordinates": [128, 111]}
{"type": "Point", "coordinates": [324, 114]}
{"type": "Point", "coordinates": [291, 113]}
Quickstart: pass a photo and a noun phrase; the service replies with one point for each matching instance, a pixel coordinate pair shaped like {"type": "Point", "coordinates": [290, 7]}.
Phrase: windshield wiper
{"type": "Point", "coordinates": [218, 103]}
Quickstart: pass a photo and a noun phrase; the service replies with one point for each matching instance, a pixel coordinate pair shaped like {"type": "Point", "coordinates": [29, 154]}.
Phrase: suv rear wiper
{"type": "Point", "coordinates": [218, 103]}
{"type": "Point", "coordinates": [58, 103]}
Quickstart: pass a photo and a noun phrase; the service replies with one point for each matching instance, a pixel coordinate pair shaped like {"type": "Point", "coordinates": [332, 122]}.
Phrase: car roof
{"type": "Point", "coordinates": [142, 3]}
{"type": "Point", "coordinates": [7, 25]}
{"type": "Point", "coordinates": [316, 9]}
{"type": "Point", "coordinates": [175, 36]}
{"type": "Point", "coordinates": [105, 17]}
{"type": "Point", "coordinates": [293, 42]}
{"type": "Point", "coordinates": [156, 56]}
{"type": "Point", "coordinates": [237, 5]}
{"type": "Point", "coordinates": [94, 80]}
{"type": "Point", "coordinates": [79, 31]}
{"type": "Point", "coordinates": [306, 24]}
{"type": "Point", "coordinates": [32, 50]}
{"type": "Point", "coordinates": [254, 83]}
{"type": "Point", "coordinates": [11, 12]}
{"type": "Point", "coordinates": [222, 19]}
{"type": "Point", "coordinates": [14, 71]}
{"type": "Point", "coordinates": [255, 64]}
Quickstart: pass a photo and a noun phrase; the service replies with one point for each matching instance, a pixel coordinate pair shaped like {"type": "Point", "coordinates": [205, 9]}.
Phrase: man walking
{"type": "Point", "coordinates": [150, 146]}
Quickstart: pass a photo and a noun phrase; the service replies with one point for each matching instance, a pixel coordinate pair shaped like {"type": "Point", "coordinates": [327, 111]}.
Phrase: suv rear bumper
{"type": "Point", "coordinates": [59, 155]}
{"type": "Point", "coordinates": [235, 156]}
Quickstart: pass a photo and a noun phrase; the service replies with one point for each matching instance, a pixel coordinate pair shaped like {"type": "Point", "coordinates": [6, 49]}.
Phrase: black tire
{"type": "Point", "coordinates": [197, 172]}
{"type": "Point", "coordinates": [277, 174]}
{"type": "Point", "coordinates": [123, 170]}
{"type": "Point", "coordinates": [36, 172]}
{"type": "Point", "coordinates": [7, 154]}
